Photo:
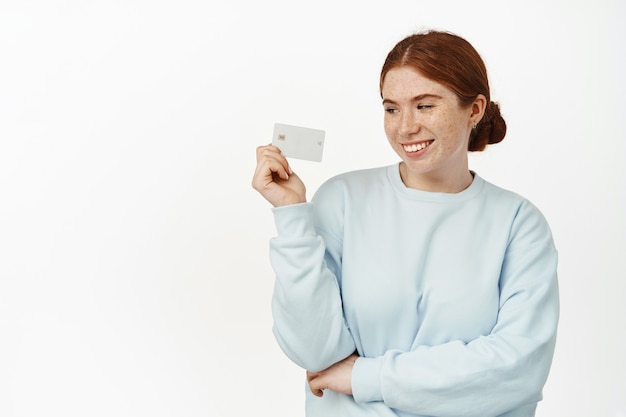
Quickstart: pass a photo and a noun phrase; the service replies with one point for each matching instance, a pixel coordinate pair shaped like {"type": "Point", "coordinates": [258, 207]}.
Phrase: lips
{"type": "Point", "coordinates": [416, 147]}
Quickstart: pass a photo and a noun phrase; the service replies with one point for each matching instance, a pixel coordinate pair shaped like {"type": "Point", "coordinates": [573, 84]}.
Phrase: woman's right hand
{"type": "Point", "coordinates": [275, 180]}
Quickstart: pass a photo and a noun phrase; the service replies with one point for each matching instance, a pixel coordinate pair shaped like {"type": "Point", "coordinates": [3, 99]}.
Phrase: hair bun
{"type": "Point", "coordinates": [491, 129]}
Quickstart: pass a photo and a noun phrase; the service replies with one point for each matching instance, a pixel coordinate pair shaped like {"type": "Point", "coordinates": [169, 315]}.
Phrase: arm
{"type": "Point", "coordinates": [492, 374]}
{"type": "Point", "coordinates": [306, 305]}
{"type": "Point", "coordinates": [308, 315]}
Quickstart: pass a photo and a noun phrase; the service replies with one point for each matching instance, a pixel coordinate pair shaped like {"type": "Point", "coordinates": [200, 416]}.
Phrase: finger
{"type": "Point", "coordinates": [273, 152]}
{"type": "Point", "coordinates": [309, 376]}
{"type": "Point", "coordinates": [269, 164]}
{"type": "Point", "coordinates": [261, 149]}
{"type": "Point", "coordinates": [316, 385]}
{"type": "Point", "coordinates": [269, 151]}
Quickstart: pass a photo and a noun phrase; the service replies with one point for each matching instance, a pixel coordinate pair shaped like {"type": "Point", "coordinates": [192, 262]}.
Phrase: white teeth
{"type": "Point", "coordinates": [416, 146]}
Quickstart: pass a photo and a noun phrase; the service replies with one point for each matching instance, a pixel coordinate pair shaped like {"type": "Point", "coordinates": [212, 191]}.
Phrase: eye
{"type": "Point", "coordinates": [390, 110]}
{"type": "Point", "coordinates": [424, 107]}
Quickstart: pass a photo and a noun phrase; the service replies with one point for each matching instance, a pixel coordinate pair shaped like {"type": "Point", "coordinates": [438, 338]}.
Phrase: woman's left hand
{"type": "Point", "coordinates": [337, 377]}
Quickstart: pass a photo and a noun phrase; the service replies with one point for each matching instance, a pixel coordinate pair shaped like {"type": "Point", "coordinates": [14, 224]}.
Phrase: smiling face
{"type": "Point", "coordinates": [429, 129]}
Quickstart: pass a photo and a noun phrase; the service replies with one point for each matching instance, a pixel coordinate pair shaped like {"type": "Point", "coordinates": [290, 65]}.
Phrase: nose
{"type": "Point", "coordinates": [409, 124]}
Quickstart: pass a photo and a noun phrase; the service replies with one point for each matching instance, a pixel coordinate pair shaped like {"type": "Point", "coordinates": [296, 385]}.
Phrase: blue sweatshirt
{"type": "Point", "coordinates": [450, 300]}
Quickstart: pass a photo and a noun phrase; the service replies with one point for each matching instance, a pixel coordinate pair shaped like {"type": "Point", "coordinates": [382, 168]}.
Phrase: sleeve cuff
{"type": "Point", "coordinates": [294, 220]}
{"type": "Point", "coordinates": [366, 380]}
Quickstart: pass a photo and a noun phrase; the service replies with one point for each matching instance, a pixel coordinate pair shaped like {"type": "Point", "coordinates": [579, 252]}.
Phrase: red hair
{"type": "Point", "coordinates": [452, 61]}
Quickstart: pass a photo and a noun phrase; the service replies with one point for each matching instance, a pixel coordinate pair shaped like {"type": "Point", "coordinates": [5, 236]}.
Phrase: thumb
{"type": "Point", "coordinates": [316, 383]}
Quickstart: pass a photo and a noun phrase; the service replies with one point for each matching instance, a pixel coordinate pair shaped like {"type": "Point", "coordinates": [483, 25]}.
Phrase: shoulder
{"type": "Point", "coordinates": [363, 176]}
{"type": "Point", "coordinates": [353, 182]}
{"type": "Point", "coordinates": [339, 195]}
{"type": "Point", "coordinates": [528, 224]}
{"type": "Point", "coordinates": [499, 198]}
{"type": "Point", "coordinates": [496, 192]}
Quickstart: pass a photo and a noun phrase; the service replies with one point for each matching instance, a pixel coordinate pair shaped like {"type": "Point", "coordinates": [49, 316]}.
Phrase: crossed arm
{"type": "Point", "coordinates": [337, 377]}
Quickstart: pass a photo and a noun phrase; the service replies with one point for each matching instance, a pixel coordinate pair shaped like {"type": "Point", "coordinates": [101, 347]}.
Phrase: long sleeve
{"type": "Point", "coordinates": [308, 318]}
{"type": "Point", "coordinates": [493, 373]}
{"type": "Point", "coordinates": [450, 300]}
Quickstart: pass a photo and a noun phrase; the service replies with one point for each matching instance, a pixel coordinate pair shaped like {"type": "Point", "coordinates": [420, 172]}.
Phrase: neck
{"type": "Point", "coordinates": [433, 183]}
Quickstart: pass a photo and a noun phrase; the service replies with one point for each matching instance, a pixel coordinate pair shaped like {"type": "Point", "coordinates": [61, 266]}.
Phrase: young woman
{"type": "Point", "coordinates": [417, 289]}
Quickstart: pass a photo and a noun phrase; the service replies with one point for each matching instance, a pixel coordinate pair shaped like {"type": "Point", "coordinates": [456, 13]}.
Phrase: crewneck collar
{"type": "Point", "coordinates": [393, 173]}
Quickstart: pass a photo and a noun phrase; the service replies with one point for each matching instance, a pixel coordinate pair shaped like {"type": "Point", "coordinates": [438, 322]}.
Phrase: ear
{"type": "Point", "coordinates": [478, 108]}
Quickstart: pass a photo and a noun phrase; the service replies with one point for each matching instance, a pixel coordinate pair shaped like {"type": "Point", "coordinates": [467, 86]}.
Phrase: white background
{"type": "Point", "coordinates": [134, 271]}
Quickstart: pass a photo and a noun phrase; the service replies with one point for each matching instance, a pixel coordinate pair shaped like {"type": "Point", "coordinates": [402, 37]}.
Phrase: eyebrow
{"type": "Point", "coordinates": [416, 98]}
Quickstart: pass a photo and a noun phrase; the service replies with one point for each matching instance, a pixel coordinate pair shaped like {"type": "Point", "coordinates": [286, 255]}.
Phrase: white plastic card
{"type": "Point", "coordinates": [299, 142]}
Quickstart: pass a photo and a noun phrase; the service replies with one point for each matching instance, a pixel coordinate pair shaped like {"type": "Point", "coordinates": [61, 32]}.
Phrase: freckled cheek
{"type": "Point", "coordinates": [390, 130]}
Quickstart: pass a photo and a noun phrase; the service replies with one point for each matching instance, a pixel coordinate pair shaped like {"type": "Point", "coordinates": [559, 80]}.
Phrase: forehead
{"type": "Point", "coordinates": [407, 82]}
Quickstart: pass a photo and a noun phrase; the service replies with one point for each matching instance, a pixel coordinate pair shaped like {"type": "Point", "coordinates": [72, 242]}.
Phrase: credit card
{"type": "Point", "coordinates": [299, 142]}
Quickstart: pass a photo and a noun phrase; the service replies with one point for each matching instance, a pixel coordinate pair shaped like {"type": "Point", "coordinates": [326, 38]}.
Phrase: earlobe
{"type": "Point", "coordinates": [478, 108]}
